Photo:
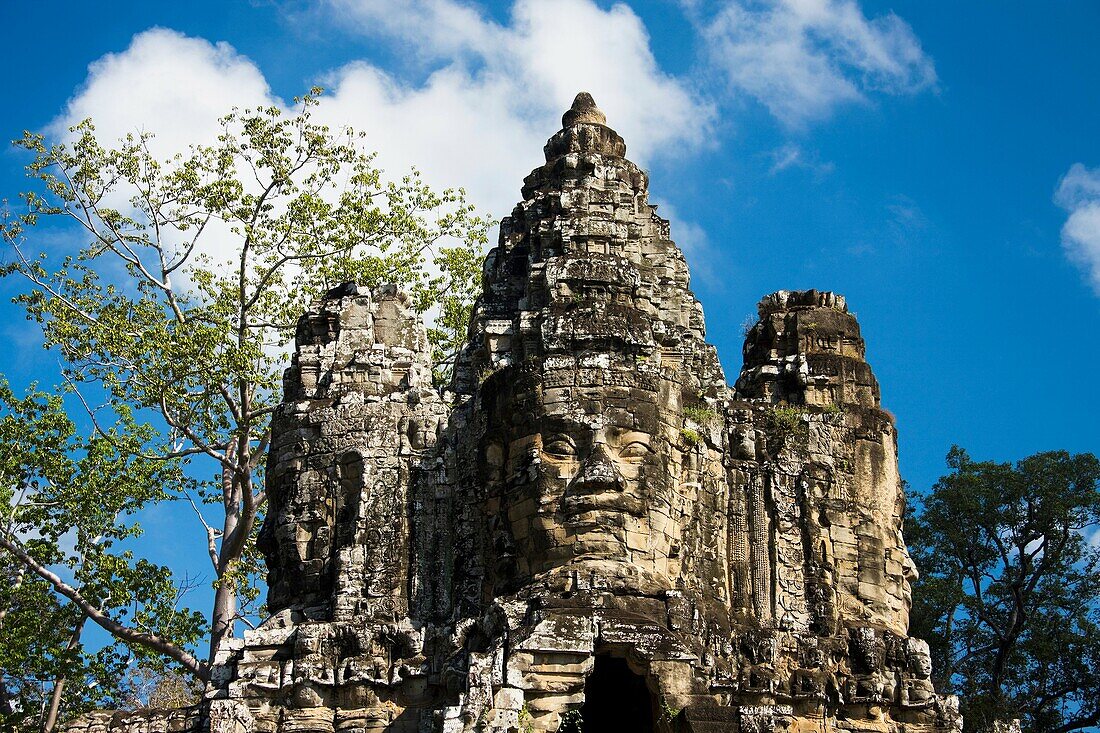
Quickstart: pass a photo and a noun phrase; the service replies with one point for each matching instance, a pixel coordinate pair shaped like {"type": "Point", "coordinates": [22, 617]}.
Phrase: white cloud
{"type": "Point", "coordinates": [177, 88]}
{"type": "Point", "coordinates": [169, 84]}
{"type": "Point", "coordinates": [804, 58]}
{"type": "Point", "coordinates": [498, 88]}
{"type": "Point", "coordinates": [495, 89]}
{"type": "Point", "coordinates": [482, 116]}
{"type": "Point", "coordinates": [790, 156]}
{"type": "Point", "coordinates": [457, 128]}
{"type": "Point", "coordinates": [479, 120]}
{"type": "Point", "coordinates": [436, 28]}
{"type": "Point", "coordinates": [1079, 194]}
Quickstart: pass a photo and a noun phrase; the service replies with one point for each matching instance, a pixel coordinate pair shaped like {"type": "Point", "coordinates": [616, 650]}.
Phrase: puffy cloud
{"type": "Point", "coordinates": [472, 98]}
{"type": "Point", "coordinates": [803, 58]}
{"type": "Point", "coordinates": [501, 89]}
{"type": "Point", "coordinates": [478, 120]}
{"type": "Point", "coordinates": [169, 84]}
{"type": "Point", "coordinates": [1079, 194]}
{"type": "Point", "coordinates": [434, 28]}
{"type": "Point", "coordinates": [563, 47]}
{"type": "Point", "coordinates": [457, 128]}
{"type": "Point", "coordinates": [175, 87]}
{"type": "Point", "coordinates": [481, 118]}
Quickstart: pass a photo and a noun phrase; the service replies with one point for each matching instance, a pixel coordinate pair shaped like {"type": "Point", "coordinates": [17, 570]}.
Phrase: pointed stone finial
{"type": "Point", "coordinates": [584, 109]}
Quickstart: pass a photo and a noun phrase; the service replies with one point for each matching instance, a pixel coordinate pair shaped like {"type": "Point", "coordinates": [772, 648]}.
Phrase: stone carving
{"type": "Point", "coordinates": [590, 522]}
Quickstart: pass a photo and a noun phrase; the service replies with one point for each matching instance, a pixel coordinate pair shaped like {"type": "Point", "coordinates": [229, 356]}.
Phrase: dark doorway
{"type": "Point", "coordinates": [616, 699]}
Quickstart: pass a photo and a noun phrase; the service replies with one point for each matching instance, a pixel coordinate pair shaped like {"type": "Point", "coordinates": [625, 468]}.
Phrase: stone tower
{"type": "Point", "coordinates": [593, 531]}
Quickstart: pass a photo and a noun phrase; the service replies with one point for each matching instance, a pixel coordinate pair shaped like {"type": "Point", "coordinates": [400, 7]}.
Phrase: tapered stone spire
{"type": "Point", "coordinates": [584, 110]}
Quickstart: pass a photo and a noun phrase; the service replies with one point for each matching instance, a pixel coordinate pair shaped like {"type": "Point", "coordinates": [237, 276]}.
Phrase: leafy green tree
{"type": "Point", "coordinates": [171, 323]}
{"type": "Point", "coordinates": [66, 501]}
{"type": "Point", "coordinates": [1009, 596]}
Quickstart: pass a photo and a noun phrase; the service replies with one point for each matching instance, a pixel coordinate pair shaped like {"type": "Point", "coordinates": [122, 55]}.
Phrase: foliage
{"type": "Point", "coordinates": [1009, 594]}
{"type": "Point", "coordinates": [700, 415]}
{"type": "Point", "coordinates": [571, 722]}
{"type": "Point", "coordinates": [668, 713]}
{"type": "Point", "coordinates": [66, 501]}
{"type": "Point", "coordinates": [786, 422]}
{"type": "Point", "coordinates": [690, 436]}
{"type": "Point", "coordinates": [151, 687]}
{"type": "Point", "coordinates": [526, 720]}
{"type": "Point", "coordinates": [171, 325]}
{"type": "Point", "coordinates": [452, 292]}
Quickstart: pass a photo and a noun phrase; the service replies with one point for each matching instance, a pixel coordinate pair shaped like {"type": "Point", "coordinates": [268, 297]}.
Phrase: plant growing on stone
{"type": "Point", "coordinates": [526, 721]}
{"type": "Point", "coordinates": [1009, 593]}
{"type": "Point", "coordinates": [668, 713]}
{"type": "Point", "coordinates": [785, 421]}
{"type": "Point", "coordinates": [700, 415]}
{"type": "Point", "coordinates": [690, 437]}
{"type": "Point", "coordinates": [169, 290]}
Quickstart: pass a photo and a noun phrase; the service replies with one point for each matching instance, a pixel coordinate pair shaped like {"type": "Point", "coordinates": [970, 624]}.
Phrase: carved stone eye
{"type": "Point", "coordinates": [560, 447]}
{"type": "Point", "coordinates": [636, 451]}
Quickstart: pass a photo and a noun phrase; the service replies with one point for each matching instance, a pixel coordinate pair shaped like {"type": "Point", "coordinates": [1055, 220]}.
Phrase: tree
{"type": "Point", "coordinates": [171, 325]}
{"type": "Point", "coordinates": [63, 496]}
{"type": "Point", "coordinates": [1009, 596]}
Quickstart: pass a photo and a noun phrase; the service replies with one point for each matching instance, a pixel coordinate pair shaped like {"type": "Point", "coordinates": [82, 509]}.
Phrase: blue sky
{"type": "Point", "coordinates": [936, 162]}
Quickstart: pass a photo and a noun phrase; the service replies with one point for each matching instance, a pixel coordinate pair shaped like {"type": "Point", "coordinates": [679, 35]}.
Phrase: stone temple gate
{"type": "Point", "coordinates": [595, 532]}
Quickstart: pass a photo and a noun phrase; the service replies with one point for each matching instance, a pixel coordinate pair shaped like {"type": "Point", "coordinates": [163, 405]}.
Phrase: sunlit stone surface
{"type": "Point", "coordinates": [591, 502]}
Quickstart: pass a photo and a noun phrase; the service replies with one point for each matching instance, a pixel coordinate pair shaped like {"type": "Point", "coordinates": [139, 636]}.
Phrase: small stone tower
{"type": "Point", "coordinates": [593, 532]}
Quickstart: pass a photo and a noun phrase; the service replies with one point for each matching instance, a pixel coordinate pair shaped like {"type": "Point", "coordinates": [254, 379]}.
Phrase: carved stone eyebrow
{"type": "Point", "coordinates": [550, 438]}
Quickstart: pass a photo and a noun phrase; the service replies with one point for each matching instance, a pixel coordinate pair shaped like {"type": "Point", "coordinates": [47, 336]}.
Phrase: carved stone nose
{"type": "Point", "coordinates": [598, 470]}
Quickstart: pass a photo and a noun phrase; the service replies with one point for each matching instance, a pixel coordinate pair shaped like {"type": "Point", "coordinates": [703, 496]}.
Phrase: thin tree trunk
{"type": "Point", "coordinates": [225, 612]}
{"type": "Point", "coordinates": [59, 684]}
{"type": "Point", "coordinates": [16, 582]}
{"type": "Point", "coordinates": [225, 596]}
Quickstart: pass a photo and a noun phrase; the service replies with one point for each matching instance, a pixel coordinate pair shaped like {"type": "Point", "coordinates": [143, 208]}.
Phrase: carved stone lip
{"type": "Point", "coordinates": [602, 501]}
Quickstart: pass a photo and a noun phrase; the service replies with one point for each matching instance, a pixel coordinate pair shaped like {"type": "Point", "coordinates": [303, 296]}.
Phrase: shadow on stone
{"type": "Point", "coordinates": [616, 699]}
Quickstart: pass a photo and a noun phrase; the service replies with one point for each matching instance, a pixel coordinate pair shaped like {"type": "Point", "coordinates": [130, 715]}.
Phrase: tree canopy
{"type": "Point", "coordinates": [1009, 596]}
{"type": "Point", "coordinates": [169, 290]}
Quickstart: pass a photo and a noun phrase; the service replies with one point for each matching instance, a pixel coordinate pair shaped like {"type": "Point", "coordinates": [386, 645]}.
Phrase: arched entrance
{"type": "Point", "coordinates": [616, 699]}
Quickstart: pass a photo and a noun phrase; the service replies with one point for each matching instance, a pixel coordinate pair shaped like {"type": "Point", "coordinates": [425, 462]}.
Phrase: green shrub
{"type": "Point", "coordinates": [786, 422]}
{"type": "Point", "coordinates": [701, 415]}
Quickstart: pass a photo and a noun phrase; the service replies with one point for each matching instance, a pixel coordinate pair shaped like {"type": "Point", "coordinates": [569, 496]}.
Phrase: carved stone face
{"type": "Point", "coordinates": [585, 475]}
{"type": "Point", "coordinates": [886, 568]}
{"type": "Point", "coordinates": [920, 658]}
{"type": "Point", "coordinates": [597, 470]}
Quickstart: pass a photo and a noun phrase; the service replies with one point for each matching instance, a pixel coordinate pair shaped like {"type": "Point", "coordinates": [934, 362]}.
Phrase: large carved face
{"type": "Point", "coordinates": [885, 568]}
{"type": "Point", "coordinates": [585, 470]}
